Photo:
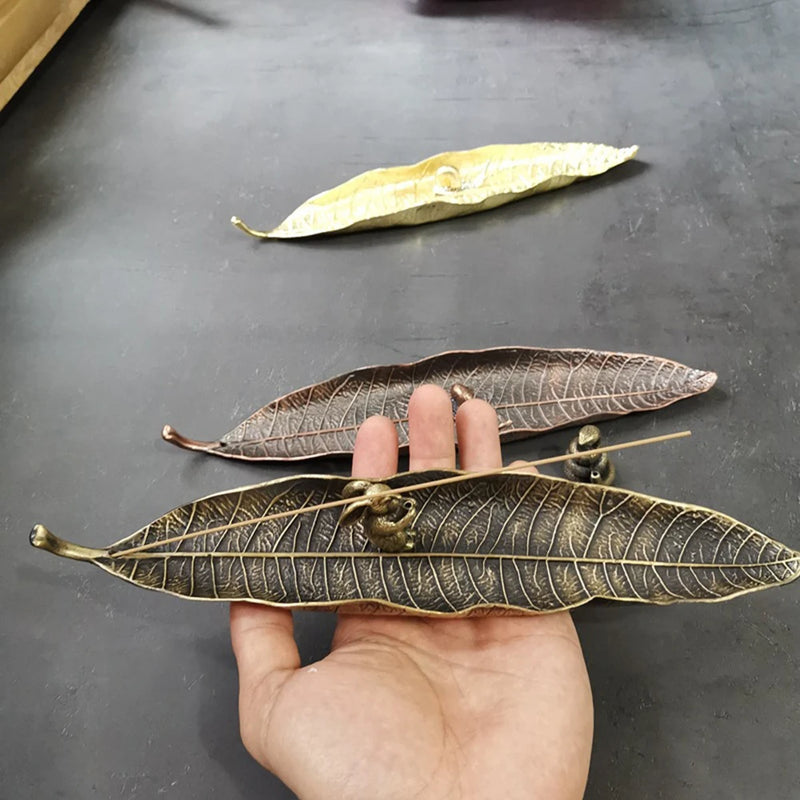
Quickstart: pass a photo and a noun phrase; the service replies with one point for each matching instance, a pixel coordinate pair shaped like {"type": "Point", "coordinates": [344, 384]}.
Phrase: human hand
{"type": "Point", "coordinates": [415, 707]}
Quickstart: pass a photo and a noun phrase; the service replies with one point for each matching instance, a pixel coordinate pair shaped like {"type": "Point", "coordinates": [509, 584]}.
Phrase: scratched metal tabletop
{"type": "Point", "coordinates": [127, 301]}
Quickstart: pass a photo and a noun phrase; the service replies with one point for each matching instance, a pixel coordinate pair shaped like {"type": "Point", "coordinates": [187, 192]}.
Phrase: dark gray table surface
{"type": "Point", "coordinates": [127, 301]}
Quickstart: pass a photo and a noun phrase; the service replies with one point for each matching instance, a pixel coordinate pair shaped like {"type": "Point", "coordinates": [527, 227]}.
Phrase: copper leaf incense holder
{"type": "Point", "coordinates": [532, 389]}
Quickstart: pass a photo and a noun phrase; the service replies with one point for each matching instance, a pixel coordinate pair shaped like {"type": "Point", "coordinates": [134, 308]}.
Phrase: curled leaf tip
{"type": "Point", "coordinates": [43, 539]}
{"type": "Point", "coordinates": [238, 223]}
{"type": "Point", "coordinates": [169, 434]}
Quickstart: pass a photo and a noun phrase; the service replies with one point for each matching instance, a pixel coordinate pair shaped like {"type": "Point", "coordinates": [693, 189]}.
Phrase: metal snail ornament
{"type": "Point", "coordinates": [442, 543]}
{"type": "Point", "coordinates": [387, 517]}
{"type": "Point", "coordinates": [591, 468]}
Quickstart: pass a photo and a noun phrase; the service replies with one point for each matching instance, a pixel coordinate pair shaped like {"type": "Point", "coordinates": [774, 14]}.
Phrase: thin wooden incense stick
{"type": "Point", "coordinates": [405, 489]}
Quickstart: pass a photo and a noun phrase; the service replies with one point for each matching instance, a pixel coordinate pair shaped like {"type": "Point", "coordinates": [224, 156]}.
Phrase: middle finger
{"type": "Point", "coordinates": [431, 441]}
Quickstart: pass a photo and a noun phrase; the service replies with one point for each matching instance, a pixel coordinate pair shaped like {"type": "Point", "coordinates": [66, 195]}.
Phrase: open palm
{"type": "Point", "coordinates": [410, 707]}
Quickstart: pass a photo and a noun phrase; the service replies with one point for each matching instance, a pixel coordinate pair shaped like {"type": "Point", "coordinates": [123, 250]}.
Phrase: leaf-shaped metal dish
{"type": "Point", "coordinates": [520, 542]}
{"type": "Point", "coordinates": [532, 389]}
{"type": "Point", "coordinates": [445, 185]}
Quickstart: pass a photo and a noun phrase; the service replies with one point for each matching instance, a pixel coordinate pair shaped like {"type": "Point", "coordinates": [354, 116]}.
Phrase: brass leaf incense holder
{"type": "Point", "coordinates": [446, 185]}
{"type": "Point", "coordinates": [442, 542]}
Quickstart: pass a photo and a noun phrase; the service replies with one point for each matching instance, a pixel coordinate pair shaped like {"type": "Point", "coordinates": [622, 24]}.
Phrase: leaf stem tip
{"type": "Point", "coordinates": [43, 539]}
{"type": "Point", "coordinates": [237, 223]}
{"type": "Point", "coordinates": [169, 434]}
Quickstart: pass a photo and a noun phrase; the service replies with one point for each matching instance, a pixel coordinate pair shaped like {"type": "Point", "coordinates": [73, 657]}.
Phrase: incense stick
{"type": "Point", "coordinates": [413, 488]}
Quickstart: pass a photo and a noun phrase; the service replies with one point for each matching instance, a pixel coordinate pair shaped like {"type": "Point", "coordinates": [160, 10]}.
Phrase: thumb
{"type": "Point", "coordinates": [267, 656]}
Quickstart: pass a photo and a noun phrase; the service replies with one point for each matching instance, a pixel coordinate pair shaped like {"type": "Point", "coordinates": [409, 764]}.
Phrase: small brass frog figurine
{"type": "Point", "coordinates": [387, 517]}
{"type": "Point", "coordinates": [591, 469]}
